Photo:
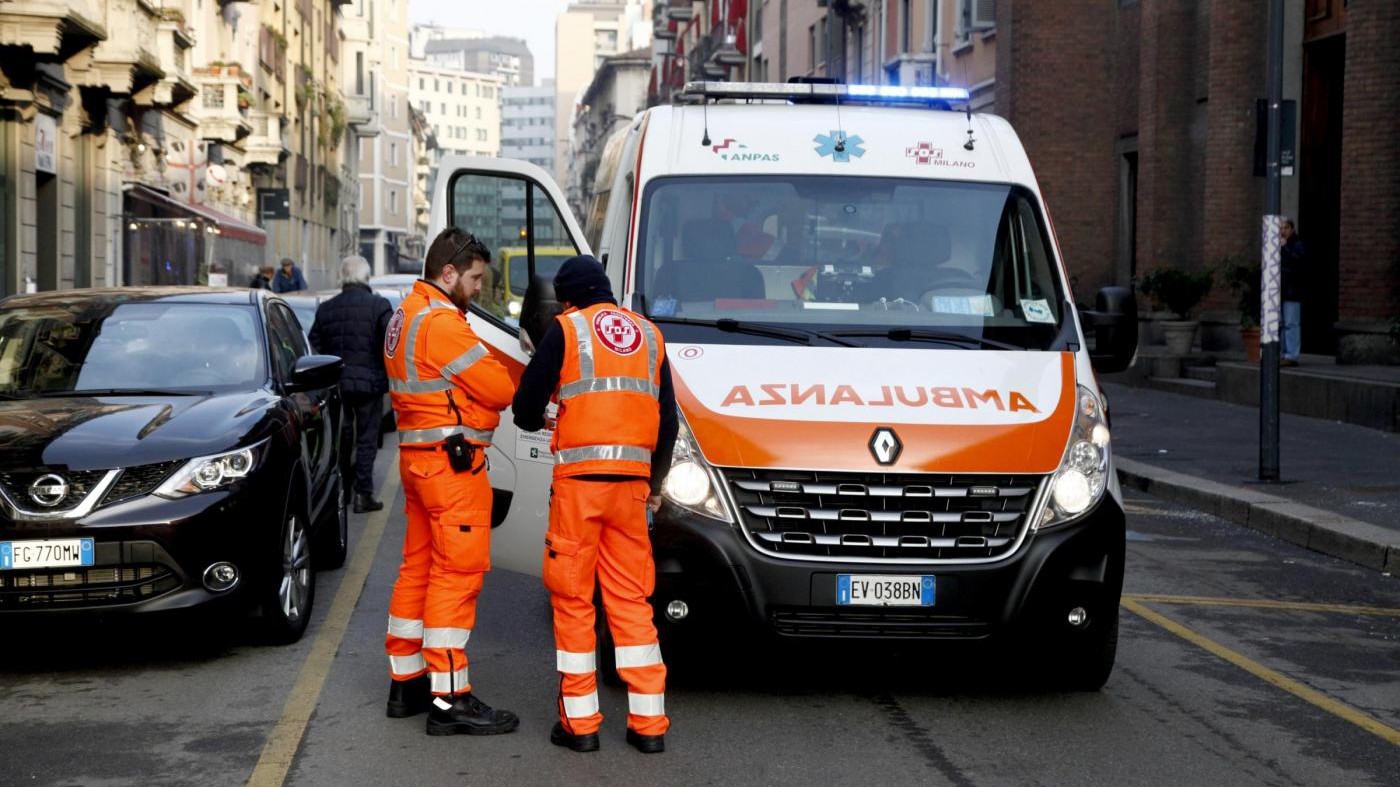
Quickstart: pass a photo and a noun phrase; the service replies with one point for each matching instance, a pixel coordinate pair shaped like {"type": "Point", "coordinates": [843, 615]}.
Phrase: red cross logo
{"type": "Point", "coordinates": [617, 332]}
{"type": "Point", "coordinates": [924, 153]}
{"type": "Point", "coordinates": [395, 332]}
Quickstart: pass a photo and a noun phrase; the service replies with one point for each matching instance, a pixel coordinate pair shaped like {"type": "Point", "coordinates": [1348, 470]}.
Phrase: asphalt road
{"type": "Point", "coordinates": [1243, 660]}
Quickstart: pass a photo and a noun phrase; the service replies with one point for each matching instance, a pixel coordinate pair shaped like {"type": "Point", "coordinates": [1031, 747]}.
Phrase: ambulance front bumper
{"type": "Point", "coordinates": [724, 580]}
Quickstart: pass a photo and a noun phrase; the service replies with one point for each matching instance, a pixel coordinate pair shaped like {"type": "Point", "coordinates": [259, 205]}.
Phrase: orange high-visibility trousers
{"type": "Point", "coordinates": [599, 528]}
{"type": "Point", "coordinates": [446, 554]}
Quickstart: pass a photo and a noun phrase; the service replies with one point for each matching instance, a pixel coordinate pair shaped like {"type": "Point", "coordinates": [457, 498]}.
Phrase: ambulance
{"type": "Point", "coordinates": [891, 426]}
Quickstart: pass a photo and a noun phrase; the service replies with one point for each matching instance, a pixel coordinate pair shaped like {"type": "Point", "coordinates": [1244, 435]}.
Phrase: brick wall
{"type": "Point", "coordinates": [1370, 202]}
{"type": "Point", "coordinates": [1054, 83]}
{"type": "Point", "coordinates": [1232, 197]}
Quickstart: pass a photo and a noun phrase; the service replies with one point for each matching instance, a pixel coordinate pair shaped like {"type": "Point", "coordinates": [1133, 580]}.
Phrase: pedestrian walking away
{"type": "Point", "coordinates": [1293, 267]}
{"type": "Point", "coordinates": [352, 325]}
{"type": "Point", "coordinates": [448, 392]}
{"type": "Point", "coordinates": [289, 279]}
{"type": "Point", "coordinates": [617, 423]}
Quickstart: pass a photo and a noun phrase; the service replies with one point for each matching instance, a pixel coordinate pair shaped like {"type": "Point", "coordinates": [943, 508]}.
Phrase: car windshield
{"type": "Point", "coordinates": [546, 265]}
{"type": "Point", "coordinates": [106, 346]}
{"type": "Point", "coordinates": [852, 256]}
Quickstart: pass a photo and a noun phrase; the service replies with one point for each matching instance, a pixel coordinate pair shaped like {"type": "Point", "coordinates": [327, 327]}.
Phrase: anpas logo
{"type": "Point", "coordinates": [783, 394]}
{"type": "Point", "coordinates": [617, 332]}
{"type": "Point", "coordinates": [732, 150]}
{"type": "Point", "coordinates": [394, 333]}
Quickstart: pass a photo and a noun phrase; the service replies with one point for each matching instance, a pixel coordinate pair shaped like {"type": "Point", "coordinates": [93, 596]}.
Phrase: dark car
{"type": "Point", "coordinates": [162, 449]}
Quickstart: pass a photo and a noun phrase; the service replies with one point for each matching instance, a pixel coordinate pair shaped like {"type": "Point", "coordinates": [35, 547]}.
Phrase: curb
{"type": "Point", "coordinates": [1321, 531]}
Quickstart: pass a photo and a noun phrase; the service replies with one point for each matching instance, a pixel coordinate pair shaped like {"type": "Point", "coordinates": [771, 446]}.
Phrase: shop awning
{"type": "Point", "coordinates": [231, 227]}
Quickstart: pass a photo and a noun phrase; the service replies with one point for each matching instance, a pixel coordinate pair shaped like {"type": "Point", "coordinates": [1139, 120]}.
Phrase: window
{"type": "Point", "coordinates": [812, 48]}
{"type": "Point", "coordinates": [420, 83]}
{"type": "Point", "coordinates": [287, 343]}
{"type": "Point", "coordinates": [449, 88]}
{"type": "Point", "coordinates": [444, 107]}
{"type": "Point", "coordinates": [905, 23]}
{"type": "Point", "coordinates": [394, 107]}
{"type": "Point", "coordinates": [481, 135]}
{"type": "Point", "coordinates": [478, 113]}
{"type": "Point", "coordinates": [393, 201]}
{"type": "Point", "coordinates": [394, 154]}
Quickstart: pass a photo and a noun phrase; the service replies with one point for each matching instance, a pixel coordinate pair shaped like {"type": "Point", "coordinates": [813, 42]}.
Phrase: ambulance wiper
{"type": "Point", "coordinates": [925, 335]}
{"type": "Point", "coordinates": [731, 325]}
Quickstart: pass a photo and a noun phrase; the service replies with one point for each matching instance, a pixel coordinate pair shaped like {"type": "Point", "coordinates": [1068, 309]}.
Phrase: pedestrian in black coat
{"type": "Point", "coordinates": [352, 325]}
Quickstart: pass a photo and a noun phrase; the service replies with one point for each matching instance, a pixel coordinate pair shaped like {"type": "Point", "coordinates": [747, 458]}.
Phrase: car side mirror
{"type": "Point", "coordinates": [539, 309]}
{"type": "Point", "coordinates": [313, 372]}
{"type": "Point", "coordinates": [1113, 323]}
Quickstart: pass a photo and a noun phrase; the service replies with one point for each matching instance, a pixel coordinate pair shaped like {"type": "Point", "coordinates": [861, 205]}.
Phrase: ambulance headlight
{"type": "Point", "coordinates": [1082, 477]}
{"type": "Point", "coordinates": [692, 483]}
{"type": "Point", "coordinates": [514, 308]}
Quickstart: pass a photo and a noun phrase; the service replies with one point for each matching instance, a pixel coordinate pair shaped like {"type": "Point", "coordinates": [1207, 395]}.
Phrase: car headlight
{"type": "Point", "coordinates": [691, 482]}
{"type": "Point", "coordinates": [514, 308]}
{"type": "Point", "coordinates": [1082, 477]}
{"type": "Point", "coordinates": [207, 473]}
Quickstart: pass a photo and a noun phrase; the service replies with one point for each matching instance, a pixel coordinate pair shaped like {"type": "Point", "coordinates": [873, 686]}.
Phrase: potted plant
{"type": "Point", "coordinates": [1243, 277]}
{"type": "Point", "coordinates": [1179, 292]}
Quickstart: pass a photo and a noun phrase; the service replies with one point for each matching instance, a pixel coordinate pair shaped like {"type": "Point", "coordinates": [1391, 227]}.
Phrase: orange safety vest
{"type": "Point", "coordinates": [442, 379]}
{"type": "Point", "coordinates": [608, 394]}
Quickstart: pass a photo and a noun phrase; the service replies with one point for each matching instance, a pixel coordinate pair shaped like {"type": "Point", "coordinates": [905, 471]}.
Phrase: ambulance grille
{"type": "Point", "coordinates": [883, 516]}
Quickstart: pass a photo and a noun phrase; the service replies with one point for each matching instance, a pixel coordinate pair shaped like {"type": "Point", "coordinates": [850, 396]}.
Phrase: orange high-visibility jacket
{"type": "Point", "coordinates": [442, 379]}
{"type": "Point", "coordinates": [608, 393]}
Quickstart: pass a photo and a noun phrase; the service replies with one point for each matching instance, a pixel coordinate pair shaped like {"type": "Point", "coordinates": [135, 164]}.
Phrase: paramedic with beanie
{"type": "Point", "coordinates": [617, 425]}
{"type": "Point", "coordinates": [448, 393]}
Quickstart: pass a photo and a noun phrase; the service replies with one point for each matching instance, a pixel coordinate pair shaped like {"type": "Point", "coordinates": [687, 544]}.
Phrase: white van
{"type": "Point", "coordinates": [891, 425]}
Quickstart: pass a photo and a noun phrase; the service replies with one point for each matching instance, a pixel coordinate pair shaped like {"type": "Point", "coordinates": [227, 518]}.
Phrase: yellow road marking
{"type": "Point", "coordinates": [1259, 603]}
{"type": "Point", "coordinates": [282, 744]}
{"type": "Point", "coordinates": [1341, 710]}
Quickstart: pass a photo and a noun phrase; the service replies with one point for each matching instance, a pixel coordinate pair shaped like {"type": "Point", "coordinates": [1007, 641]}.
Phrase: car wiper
{"type": "Point", "coordinates": [122, 392]}
{"type": "Point", "coordinates": [925, 335]}
{"type": "Point", "coordinates": [731, 325]}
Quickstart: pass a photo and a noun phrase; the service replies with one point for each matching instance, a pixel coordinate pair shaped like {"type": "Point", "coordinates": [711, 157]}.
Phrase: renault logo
{"type": "Point", "coordinates": [48, 490]}
{"type": "Point", "coordinates": [885, 446]}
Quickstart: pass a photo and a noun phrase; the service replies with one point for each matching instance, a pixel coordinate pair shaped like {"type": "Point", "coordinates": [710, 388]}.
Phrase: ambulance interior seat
{"type": "Point", "coordinates": [707, 269]}
{"type": "Point", "coordinates": [919, 263]}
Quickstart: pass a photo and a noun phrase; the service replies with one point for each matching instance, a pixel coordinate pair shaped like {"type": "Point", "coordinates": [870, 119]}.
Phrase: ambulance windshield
{"type": "Point", "coordinates": [845, 253]}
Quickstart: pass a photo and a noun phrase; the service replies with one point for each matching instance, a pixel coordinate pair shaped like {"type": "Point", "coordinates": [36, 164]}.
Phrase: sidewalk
{"type": "Point", "coordinates": [1340, 487]}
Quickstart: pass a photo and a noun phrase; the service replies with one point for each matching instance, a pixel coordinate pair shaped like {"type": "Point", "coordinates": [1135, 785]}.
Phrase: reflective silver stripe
{"type": "Point", "coordinates": [448, 682]}
{"type": "Point", "coordinates": [409, 365]}
{"type": "Point", "coordinates": [460, 364]}
{"type": "Point", "coordinates": [607, 384]}
{"type": "Point", "coordinates": [405, 628]}
{"type": "Point", "coordinates": [576, 663]}
{"type": "Point", "coordinates": [630, 453]}
{"type": "Point", "coordinates": [430, 436]}
{"type": "Point", "coordinates": [637, 655]}
{"type": "Point", "coordinates": [407, 665]}
{"type": "Point", "coordinates": [646, 704]}
{"type": "Point", "coordinates": [419, 386]}
{"type": "Point", "coordinates": [584, 336]}
{"type": "Point", "coordinates": [446, 637]}
{"type": "Point", "coordinates": [652, 346]}
{"type": "Point", "coordinates": [581, 707]}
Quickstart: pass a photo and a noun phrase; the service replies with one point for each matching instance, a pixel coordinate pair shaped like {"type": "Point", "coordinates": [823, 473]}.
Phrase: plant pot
{"type": "Point", "coordinates": [1250, 338]}
{"type": "Point", "coordinates": [1180, 335]}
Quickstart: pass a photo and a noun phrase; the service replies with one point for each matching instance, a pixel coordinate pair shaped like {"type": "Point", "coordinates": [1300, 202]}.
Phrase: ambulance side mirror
{"type": "Point", "coordinates": [1113, 325]}
{"type": "Point", "coordinates": [538, 311]}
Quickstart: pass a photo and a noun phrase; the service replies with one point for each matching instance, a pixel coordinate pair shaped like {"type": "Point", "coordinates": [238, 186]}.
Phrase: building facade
{"type": "Point", "coordinates": [527, 124]}
{"type": "Point", "coordinates": [617, 94]}
{"type": "Point", "coordinates": [462, 108]}
{"type": "Point", "coordinates": [584, 35]}
{"type": "Point", "coordinates": [507, 58]}
{"type": "Point", "coordinates": [387, 236]}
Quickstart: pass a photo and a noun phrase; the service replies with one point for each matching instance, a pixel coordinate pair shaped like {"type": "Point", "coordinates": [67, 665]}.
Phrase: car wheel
{"type": "Point", "coordinates": [333, 530]}
{"type": "Point", "coordinates": [291, 590]}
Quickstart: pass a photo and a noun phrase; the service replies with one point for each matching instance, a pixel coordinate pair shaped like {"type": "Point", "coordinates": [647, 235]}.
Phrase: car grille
{"type": "Point", "coordinates": [875, 624]}
{"type": "Point", "coordinates": [139, 481]}
{"type": "Point", "coordinates": [882, 516]}
{"type": "Point", "coordinates": [57, 587]}
{"type": "Point", "coordinates": [16, 484]}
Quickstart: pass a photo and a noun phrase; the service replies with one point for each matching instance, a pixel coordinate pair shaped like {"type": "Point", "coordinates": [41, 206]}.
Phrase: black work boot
{"type": "Point", "coordinates": [408, 697]}
{"type": "Point", "coordinates": [562, 737]}
{"type": "Point", "coordinates": [646, 744]}
{"type": "Point", "coordinates": [364, 503]}
{"type": "Point", "coordinates": [467, 715]}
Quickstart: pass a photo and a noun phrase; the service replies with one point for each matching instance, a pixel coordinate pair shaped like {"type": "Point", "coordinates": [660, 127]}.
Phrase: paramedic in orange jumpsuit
{"type": "Point", "coordinates": [448, 392]}
{"type": "Point", "coordinates": [617, 423]}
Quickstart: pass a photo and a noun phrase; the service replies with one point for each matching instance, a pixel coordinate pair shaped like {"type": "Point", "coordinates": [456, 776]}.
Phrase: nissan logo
{"type": "Point", "coordinates": [885, 446]}
{"type": "Point", "coordinates": [48, 490]}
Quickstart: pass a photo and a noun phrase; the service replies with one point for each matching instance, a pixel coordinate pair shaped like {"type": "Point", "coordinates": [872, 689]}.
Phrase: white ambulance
{"type": "Point", "coordinates": [891, 425]}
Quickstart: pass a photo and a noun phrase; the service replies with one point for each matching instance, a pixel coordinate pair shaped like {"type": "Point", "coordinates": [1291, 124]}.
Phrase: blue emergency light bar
{"type": "Point", "coordinates": [821, 93]}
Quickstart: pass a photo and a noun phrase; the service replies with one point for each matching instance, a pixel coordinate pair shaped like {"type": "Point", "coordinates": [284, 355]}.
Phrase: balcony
{"type": "Point", "coordinates": [174, 42]}
{"type": "Point", "coordinates": [723, 49]}
{"type": "Point", "coordinates": [52, 28]}
{"type": "Point", "coordinates": [360, 115]}
{"type": "Point", "coordinates": [680, 11]}
{"type": "Point", "coordinates": [127, 61]}
{"type": "Point", "coordinates": [224, 103]}
{"type": "Point", "coordinates": [265, 145]}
